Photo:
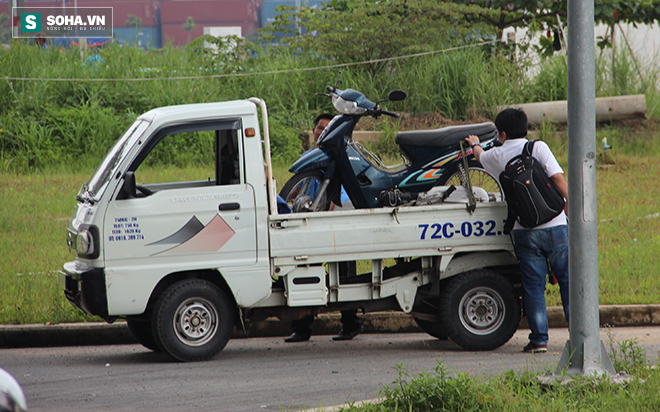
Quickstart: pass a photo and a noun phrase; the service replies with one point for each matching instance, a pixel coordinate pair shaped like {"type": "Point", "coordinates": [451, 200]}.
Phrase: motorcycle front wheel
{"type": "Point", "coordinates": [302, 190]}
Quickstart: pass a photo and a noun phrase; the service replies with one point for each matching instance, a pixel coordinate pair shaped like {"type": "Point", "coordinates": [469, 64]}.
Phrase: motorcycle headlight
{"type": "Point", "coordinates": [346, 106]}
{"type": "Point", "coordinates": [87, 242]}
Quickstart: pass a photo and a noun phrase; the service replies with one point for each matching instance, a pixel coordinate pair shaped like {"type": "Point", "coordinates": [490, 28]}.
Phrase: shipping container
{"type": "Point", "coordinates": [268, 8]}
{"type": "Point", "coordinates": [147, 10]}
{"type": "Point", "coordinates": [269, 11]}
{"type": "Point", "coordinates": [163, 20]}
{"type": "Point", "coordinates": [209, 12]}
{"type": "Point", "coordinates": [175, 33]}
{"type": "Point", "coordinates": [145, 37]}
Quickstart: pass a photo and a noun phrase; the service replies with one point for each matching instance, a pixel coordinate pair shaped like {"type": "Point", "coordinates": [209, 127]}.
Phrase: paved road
{"type": "Point", "coordinates": [261, 373]}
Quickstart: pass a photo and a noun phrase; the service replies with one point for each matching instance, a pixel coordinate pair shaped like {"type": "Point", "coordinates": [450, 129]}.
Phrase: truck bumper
{"type": "Point", "coordinates": [85, 288]}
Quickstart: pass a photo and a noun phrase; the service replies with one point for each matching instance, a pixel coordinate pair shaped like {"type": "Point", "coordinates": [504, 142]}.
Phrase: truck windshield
{"type": "Point", "coordinates": [94, 188]}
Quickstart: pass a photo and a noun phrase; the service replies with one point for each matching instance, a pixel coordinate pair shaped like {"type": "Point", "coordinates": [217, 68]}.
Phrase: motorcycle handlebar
{"type": "Point", "coordinates": [391, 114]}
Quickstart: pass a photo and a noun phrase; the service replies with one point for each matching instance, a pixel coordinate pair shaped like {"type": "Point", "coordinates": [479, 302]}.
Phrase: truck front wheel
{"type": "Point", "coordinates": [192, 320]}
{"type": "Point", "coordinates": [480, 310]}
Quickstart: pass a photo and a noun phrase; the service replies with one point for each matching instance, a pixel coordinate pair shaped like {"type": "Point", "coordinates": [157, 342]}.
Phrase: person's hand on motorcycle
{"type": "Point", "coordinates": [473, 142]}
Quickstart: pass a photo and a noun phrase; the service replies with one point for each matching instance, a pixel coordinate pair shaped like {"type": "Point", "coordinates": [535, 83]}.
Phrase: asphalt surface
{"type": "Point", "coordinates": [267, 374]}
{"type": "Point", "coordinates": [98, 333]}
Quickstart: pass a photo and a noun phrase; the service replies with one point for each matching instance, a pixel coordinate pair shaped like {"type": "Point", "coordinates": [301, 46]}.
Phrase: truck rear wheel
{"type": "Point", "coordinates": [480, 310]}
{"type": "Point", "coordinates": [143, 333]}
{"type": "Point", "coordinates": [192, 320]}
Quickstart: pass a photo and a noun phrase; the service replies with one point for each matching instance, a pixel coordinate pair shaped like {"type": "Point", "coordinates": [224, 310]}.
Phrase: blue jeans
{"type": "Point", "coordinates": [536, 248]}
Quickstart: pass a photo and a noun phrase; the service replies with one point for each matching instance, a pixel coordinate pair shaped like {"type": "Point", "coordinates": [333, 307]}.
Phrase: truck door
{"type": "Point", "coordinates": [190, 209]}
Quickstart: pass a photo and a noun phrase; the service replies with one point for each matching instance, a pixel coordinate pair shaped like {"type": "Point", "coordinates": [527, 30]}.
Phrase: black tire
{"type": "Point", "coordinates": [297, 194]}
{"type": "Point", "coordinates": [480, 310]}
{"type": "Point", "coordinates": [435, 329]}
{"type": "Point", "coordinates": [478, 177]}
{"type": "Point", "coordinates": [143, 333]}
{"type": "Point", "coordinates": [193, 320]}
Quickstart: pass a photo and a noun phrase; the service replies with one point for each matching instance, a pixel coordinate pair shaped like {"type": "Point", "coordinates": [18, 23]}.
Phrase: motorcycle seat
{"type": "Point", "coordinates": [445, 136]}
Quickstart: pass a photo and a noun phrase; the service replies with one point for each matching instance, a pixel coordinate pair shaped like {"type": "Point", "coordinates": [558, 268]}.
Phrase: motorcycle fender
{"type": "Point", "coordinates": [312, 159]}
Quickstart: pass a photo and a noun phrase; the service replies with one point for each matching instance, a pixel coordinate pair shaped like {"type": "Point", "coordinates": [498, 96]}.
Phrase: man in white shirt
{"type": "Point", "coordinates": [538, 246]}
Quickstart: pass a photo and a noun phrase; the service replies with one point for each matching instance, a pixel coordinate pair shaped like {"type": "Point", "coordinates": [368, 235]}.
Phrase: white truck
{"type": "Point", "coordinates": [184, 258]}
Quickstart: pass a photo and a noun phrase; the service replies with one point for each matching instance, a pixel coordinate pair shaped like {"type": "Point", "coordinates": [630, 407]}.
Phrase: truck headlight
{"type": "Point", "coordinates": [87, 242]}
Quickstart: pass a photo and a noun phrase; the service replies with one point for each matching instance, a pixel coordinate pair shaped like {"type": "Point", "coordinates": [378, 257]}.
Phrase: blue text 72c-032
{"type": "Point", "coordinates": [465, 229]}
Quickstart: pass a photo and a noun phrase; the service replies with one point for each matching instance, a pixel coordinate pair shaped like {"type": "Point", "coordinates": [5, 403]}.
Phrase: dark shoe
{"type": "Point", "coordinates": [297, 337]}
{"type": "Point", "coordinates": [534, 348]}
{"type": "Point", "coordinates": [348, 335]}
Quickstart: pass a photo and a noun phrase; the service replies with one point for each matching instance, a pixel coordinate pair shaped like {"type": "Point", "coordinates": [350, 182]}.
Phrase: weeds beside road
{"type": "Point", "coordinates": [522, 391]}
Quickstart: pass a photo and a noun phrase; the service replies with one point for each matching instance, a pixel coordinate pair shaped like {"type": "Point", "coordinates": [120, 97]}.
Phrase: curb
{"type": "Point", "coordinates": [80, 334]}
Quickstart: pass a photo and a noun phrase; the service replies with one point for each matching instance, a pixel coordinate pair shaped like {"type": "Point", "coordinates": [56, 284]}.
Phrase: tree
{"type": "Point", "coordinates": [613, 12]}
{"type": "Point", "coordinates": [189, 26]}
{"type": "Point", "coordinates": [518, 13]}
{"type": "Point", "coordinates": [543, 14]}
{"type": "Point", "coordinates": [133, 21]}
{"type": "Point", "coordinates": [352, 31]}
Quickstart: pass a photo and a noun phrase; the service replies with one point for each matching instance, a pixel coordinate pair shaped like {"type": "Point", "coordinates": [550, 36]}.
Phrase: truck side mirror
{"type": "Point", "coordinates": [128, 190]}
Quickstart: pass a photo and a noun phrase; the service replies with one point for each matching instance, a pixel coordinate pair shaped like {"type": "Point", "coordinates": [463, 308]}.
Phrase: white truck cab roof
{"type": "Point", "coordinates": [201, 111]}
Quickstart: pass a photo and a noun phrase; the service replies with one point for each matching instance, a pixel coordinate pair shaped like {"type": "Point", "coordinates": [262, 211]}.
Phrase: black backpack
{"type": "Point", "coordinates": [532, 198]}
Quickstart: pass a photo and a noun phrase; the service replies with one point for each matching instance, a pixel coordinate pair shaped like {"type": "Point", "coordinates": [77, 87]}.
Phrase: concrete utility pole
{"type": "Point", "coordinates": [584, 353]}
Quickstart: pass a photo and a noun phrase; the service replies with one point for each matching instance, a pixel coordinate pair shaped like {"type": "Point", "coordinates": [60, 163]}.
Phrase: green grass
{"type": "Point", "coordinates": [628, 220]}
{"type": "Point", "coordinates": [513, 392]}
{"type": "Point", "coordinates": [33, 218]}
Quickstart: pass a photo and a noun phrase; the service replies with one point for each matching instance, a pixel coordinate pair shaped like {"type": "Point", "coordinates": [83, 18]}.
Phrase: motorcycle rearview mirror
{"type": "Point", "coordinates": [396, 95]}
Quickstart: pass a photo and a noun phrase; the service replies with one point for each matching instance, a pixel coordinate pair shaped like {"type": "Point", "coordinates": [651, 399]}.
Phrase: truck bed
{"type": "Point", "coordinates": [305, 238]}
{"type": "Point", "coordinates": [444, 236]}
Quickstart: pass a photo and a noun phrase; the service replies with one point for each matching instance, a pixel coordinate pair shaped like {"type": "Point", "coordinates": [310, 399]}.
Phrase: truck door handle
{"type": "Point", "coordinates": [229, 206]}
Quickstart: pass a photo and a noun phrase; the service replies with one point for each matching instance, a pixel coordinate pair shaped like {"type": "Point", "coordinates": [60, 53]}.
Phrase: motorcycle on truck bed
{"type": "Point", "coordinates": [186, 258]}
